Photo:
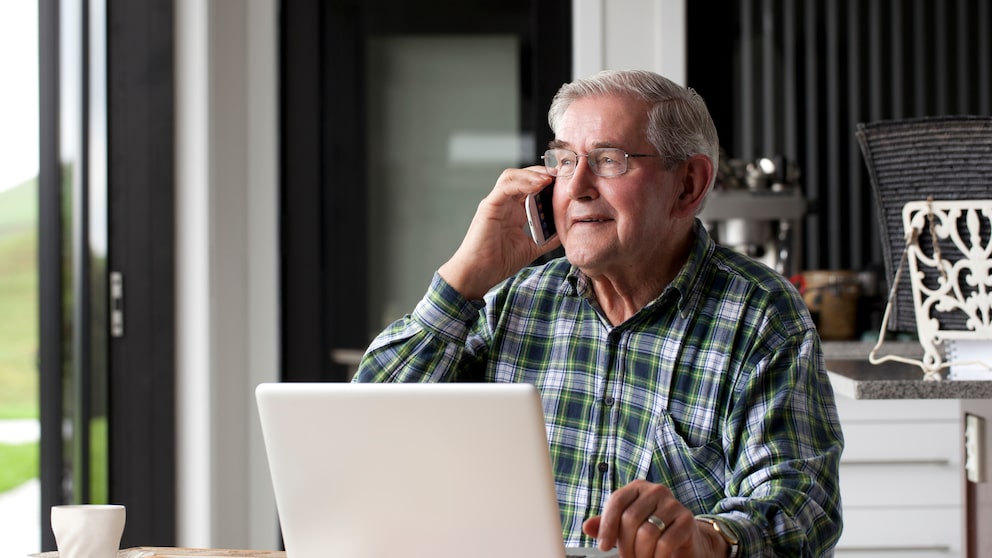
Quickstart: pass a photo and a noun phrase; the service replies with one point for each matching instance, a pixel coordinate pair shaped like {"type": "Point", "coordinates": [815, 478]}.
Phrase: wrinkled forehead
{"type": "Point", "coordinates": [603, 121]}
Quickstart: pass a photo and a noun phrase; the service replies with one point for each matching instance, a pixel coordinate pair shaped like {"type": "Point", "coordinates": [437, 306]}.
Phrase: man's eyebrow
{"type": "Point", "coordinates": [555, 144]}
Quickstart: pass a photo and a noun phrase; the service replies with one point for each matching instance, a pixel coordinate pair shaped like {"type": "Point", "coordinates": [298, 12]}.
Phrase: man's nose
{"type": "Point", "coordinates": [582, 183]}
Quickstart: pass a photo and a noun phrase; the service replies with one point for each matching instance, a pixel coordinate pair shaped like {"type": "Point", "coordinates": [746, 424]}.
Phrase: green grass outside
{"type": "Point", "coordinates": [18, 327]}
{"type": "Point", "coordinates": [18, 302]}
{"type": "Point", "coordinates": [98, 461]}
{"type": "Point", "coordinates": [18, 464]}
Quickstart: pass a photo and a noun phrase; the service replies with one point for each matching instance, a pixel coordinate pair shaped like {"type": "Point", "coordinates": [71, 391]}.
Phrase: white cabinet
{"type": "Point", "coordinates": [902, 478]}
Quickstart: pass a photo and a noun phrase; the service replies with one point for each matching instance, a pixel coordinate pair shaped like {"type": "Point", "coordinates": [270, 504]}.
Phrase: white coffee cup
{"type": "Point", "coordinates": [88, 530]}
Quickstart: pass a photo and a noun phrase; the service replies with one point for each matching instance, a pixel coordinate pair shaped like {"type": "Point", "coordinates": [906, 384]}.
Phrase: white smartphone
{"type": "Point", "coordinates": [541, 215]}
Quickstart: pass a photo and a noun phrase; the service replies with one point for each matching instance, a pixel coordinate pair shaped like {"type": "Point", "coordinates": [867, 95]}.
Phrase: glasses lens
{"type": "Point", "coordinates": [560, 162]}
{"type": "Point", "coordinates": [608, 161]}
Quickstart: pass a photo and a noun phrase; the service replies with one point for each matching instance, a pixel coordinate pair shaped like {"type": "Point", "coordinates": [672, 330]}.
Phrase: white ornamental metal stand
{"type": "Point", "coordinates": [951, 280]}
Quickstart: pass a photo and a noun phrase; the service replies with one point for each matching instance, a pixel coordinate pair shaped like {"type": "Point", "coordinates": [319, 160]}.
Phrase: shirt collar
{"type": "Point", "coordinates": [685, 282]}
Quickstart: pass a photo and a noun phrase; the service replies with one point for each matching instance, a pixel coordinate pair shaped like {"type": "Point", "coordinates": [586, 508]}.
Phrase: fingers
{"type": "Point", "coordinates": [504, 206]}
{"type": "Point", "coordinates": [497, 243]}
{"type": "Point", "coordinates": [643, 520]}
{"type": "Point", "coordinates": [517, 183]}
{"type": "Point", "coordinates": [591, 527]}
{"type": "Point", "coordinates": [626, 509]}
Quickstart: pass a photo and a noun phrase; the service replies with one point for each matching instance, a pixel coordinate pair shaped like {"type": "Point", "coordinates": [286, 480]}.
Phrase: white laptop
{"type": "Point", "coordinates": [393, 470]}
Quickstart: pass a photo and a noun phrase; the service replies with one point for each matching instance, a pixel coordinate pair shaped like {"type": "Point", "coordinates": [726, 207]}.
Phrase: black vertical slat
{"type": "Point", "coordinates": [811, 139]}
{"type": "Point", "coordinates": [920, 48]}
{"type": "Point", "coordinates": [49, 268]}
{"type": "Point", "coordinates": [833, 136]}
{"type": "Point", "coordinates": [963, 57]}
{"type": "Point", "coordinates": [748, 69]}
{"type": "Point", "coordinates": [852, 186]}
{"type": "Point", "coordinates": [767, 91]}
{"type": "Point", "coordinates": [896, 98]}
{"type": "Point", "coordinates": [984, 57]}
{"type": "Point", "coordinates": [941, 74]}
{"type": "Point", "coordinates": [875, 31]}
{"type": "Point", "coordinates": [789, 102]}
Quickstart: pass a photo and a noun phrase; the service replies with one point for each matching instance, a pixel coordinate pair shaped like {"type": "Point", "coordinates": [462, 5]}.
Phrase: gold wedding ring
{"type": "Point", "coordinates": [657, 522]}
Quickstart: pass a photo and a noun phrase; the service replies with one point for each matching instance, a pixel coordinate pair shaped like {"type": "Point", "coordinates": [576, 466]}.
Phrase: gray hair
{"type": "Point", "coordinates": [679, 124]}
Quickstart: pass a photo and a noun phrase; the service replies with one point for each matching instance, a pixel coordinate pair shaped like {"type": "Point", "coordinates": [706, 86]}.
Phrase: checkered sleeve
{"type": "Point", "coordinates": [429, 345]}
{"type": "Point", "coordinates": [786, 442]}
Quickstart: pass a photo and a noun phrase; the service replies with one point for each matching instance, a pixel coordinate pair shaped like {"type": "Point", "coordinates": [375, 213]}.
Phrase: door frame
{"type": "Point", "coordinates": [324, 249]}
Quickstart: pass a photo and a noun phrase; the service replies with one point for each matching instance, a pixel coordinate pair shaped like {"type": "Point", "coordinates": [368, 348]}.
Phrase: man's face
{"type": "Point", "coordinates": [612, 224]}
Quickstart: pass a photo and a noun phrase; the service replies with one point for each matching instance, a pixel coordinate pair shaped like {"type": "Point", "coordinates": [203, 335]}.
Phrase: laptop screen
{"type": "Point", "coordinates": [374, 470]}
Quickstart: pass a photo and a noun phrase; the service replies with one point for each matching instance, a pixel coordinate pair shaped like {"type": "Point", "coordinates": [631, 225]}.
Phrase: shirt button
{"type": "Point", "coordinates": [608, 401]}
{"type": "Point", "coordinates": [603, 467]}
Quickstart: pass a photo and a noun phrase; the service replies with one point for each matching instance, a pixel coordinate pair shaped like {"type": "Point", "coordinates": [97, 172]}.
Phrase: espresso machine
{"type": "Point", "coordinates": [757, 208]}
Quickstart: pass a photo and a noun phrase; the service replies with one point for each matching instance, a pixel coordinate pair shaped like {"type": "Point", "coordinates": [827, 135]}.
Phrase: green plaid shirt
{"type": "Point", "coordinates": [717, 389]}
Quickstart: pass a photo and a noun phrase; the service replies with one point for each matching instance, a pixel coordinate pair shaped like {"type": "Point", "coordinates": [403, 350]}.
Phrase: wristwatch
{"type": "Point", "coordinates": [724, 531]}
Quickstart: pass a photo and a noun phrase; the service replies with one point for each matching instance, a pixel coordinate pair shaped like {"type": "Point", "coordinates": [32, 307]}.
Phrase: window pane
{"type": "Point", "coordinates": [444, 122]}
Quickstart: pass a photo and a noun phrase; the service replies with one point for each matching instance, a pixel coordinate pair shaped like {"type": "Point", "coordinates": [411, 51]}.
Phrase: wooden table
{"type": "Point", "coordinates": [170, 552]}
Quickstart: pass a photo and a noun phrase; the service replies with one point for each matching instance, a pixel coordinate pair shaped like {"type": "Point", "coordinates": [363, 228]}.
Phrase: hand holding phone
{"type": "Point", "coordinates": [541, 215]}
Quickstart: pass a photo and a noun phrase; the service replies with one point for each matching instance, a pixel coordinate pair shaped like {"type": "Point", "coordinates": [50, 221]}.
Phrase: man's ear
{"type": "Point", "coordinates": [693, 180]}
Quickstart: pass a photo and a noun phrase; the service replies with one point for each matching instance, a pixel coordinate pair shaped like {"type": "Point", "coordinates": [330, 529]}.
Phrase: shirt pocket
{"type": "Point", "coordinates": [695, 474]}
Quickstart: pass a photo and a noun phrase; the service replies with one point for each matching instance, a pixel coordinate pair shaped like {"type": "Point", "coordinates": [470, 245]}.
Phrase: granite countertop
{"type": "Point", "coordinates": [853, 376]}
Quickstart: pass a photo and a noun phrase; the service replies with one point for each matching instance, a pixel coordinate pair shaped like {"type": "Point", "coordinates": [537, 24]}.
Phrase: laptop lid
{"type": "Point", "coordinates": [386, 470]}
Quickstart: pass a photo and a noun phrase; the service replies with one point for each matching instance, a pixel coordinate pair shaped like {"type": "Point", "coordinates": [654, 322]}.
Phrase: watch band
{"type": "Point", "coordinates": [725, 532]}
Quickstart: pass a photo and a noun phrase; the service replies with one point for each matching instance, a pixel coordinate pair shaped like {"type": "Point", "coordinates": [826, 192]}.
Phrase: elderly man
{"type": "Point", "coordinates": [688, 410]}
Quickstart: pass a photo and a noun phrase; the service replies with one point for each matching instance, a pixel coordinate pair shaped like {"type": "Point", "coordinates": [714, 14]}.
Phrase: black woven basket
{"type": "Point", "coordinates": [949, 158]}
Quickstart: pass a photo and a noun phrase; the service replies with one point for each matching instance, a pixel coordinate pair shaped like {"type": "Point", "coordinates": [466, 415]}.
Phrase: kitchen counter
{"type": "Point", "coordinates": [853, 376]}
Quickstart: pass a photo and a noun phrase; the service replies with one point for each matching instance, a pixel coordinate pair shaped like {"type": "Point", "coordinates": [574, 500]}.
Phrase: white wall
{"type": "Point", "coordinates": [227, 237]}
{"type": "Point", "coordinates": [227, 267]}
{"type": "Point", "coordinates": [629, 34]}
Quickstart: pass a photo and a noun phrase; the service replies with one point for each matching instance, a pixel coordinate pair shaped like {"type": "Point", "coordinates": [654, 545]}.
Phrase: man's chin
{"type": "Point", "coordinates": [588, 261]}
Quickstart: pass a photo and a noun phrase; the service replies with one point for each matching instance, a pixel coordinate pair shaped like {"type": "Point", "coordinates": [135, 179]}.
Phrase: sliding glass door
{"type": "Point", "coordinates": [106, 356]}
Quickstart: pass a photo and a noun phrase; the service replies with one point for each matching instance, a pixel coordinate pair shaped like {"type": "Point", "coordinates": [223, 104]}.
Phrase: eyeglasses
{"type": "Point", "coordinates": [603, 161]}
